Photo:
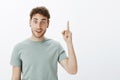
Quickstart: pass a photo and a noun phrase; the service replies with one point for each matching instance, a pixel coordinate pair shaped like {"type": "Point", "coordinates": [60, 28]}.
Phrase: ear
{"type": "Point", "coordinates": [48, 23]}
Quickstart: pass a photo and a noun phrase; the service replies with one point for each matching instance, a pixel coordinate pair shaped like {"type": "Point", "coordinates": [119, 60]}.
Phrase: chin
{"type": "Point", "coordinates": [38, 35]}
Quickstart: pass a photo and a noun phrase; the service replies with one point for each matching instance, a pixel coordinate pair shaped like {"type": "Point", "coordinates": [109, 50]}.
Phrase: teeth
{"type": "Point", "coordinates": [38, 30]}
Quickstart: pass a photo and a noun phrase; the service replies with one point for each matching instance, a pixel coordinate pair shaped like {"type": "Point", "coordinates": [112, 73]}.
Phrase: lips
{"type": "Point", "coordinates": [38, 31]}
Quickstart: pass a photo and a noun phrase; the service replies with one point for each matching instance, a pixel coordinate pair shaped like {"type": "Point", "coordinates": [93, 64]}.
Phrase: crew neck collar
{"type": "Point", "coordinates": [32, 41]}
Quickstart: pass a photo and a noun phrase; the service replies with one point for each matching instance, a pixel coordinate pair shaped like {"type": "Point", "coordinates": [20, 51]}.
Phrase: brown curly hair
{"type": "Point", "coordinates": [40, 10]}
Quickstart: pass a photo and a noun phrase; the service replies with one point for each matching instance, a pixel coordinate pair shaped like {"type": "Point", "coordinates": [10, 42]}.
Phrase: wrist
{"type": "Point", "coordinates": [69, 43]}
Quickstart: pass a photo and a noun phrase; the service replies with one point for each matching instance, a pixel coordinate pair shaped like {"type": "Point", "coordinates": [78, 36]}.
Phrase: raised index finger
{"type": "Point", "coordinates": [68, 28]}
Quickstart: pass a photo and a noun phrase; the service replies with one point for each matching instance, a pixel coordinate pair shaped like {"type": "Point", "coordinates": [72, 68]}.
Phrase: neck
{"type": "Point", "coordinates": [37, 39]}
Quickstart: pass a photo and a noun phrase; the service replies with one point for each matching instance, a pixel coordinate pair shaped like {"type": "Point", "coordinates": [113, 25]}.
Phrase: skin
{"type": "Point", "coordinates": [40, 23]}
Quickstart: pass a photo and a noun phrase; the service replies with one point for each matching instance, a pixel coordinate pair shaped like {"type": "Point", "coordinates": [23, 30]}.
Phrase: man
{"type": "Point", "coordinates": [36, 57]}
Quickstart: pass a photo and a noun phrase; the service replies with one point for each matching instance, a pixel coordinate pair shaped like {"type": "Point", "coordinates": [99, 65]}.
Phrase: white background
{"type": "Point", "coordinates": [95, 25]}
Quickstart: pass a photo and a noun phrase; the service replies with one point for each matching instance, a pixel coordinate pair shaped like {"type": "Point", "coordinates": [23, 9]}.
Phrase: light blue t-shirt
{"type": "Point", "coordinates": [38, 59]}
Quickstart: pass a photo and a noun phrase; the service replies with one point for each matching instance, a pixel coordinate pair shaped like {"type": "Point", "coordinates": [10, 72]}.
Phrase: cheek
{"type": "Point", "coordinates": [33, 25]}
{"type": "Point", "coordinates": [45, 28]}
{"type": "Point", "coordinates": [32, 28]}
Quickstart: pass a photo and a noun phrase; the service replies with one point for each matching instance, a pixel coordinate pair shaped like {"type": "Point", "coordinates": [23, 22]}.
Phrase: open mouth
{"type": "Point", "coordinates": [38, 31]}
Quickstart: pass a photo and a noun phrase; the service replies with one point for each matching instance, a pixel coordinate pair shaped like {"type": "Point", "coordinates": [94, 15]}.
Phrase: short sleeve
{"type": "Point", "coordinates": [61, 53]}
{"type": "Point", "coordinates": [15, 58]}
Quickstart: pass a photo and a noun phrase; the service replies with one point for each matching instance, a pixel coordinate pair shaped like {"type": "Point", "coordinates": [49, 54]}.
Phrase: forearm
{"type": "Point", "coordinates": [16, 78]}
{"type": "Point", "coordinates": [72, 62]}
{"type": "Point", "coordinates": [69, 64]}
{"type": "Point", "coordinates": [16, 73]}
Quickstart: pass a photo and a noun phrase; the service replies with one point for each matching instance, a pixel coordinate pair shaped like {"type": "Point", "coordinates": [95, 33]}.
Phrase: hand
{"type": "Point", "coordinates": [67, 35]}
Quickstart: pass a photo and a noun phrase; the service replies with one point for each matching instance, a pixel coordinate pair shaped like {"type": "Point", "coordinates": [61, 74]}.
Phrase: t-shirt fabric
{"type": "Point", "coordinates": [38, 59]}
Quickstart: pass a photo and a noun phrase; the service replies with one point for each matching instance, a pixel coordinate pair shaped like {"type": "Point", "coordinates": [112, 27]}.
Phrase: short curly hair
{"type": "Point", "coordinates": [40, 10]}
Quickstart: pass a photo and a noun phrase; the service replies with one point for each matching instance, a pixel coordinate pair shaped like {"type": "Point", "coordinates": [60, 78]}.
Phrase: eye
{"type": "Point", "coordinates": [43, 22]}
{"type": "Point", "coordinates": [35, 22]}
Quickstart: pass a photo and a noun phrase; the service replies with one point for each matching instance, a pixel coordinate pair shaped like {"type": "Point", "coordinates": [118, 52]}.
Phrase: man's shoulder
{"type": "Point", "coordinates": [20, 44]}
{"type": "Point", "coordinates": [53, 41]}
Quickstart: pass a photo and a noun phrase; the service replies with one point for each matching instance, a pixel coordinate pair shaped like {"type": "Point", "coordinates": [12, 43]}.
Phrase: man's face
{"type": "Point", "coordinates": [39, 24]}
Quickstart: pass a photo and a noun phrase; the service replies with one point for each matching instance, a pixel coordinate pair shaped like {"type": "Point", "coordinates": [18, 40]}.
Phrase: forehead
{"type": "Point", "coordinates": [38, 17]}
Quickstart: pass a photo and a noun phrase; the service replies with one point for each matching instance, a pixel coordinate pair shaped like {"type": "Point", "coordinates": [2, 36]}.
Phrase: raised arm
{"type": "Point", "coordinates": [69, 64]}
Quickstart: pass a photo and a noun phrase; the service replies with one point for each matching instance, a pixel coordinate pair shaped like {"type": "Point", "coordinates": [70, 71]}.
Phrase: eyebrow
{"type": "Point", "coordinates": [37, 19]}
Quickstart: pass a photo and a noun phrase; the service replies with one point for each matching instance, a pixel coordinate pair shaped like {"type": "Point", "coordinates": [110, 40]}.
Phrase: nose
{"type": "Point", "coordinates": [39, 25]}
